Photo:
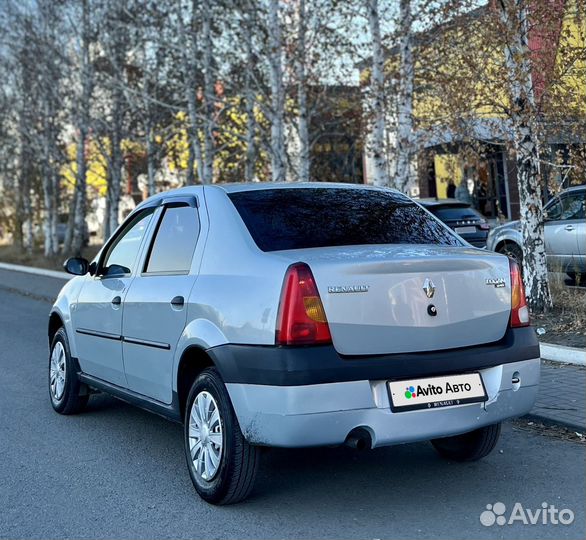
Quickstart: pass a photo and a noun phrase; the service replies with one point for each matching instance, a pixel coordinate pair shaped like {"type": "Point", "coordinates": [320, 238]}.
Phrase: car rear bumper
{"type": "Point", "coordinates": [295, 366]}
{"type": "Point", "coordinates": [324, 414]}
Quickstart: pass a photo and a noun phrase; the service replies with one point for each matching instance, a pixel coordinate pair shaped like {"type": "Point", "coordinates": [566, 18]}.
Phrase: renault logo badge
{"type": "Point", "coordinates": [428, 288]}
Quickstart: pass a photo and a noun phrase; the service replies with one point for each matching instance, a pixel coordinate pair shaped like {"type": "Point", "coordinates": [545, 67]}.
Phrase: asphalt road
{"type": "Point", "coordinates": [118, 472]}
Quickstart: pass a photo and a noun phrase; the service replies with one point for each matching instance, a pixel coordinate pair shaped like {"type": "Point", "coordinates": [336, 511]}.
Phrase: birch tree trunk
{"type": "Point", "coordinates": [303, 120]}
{"type": "Point", "coordinates": [151, 157]}
{"type": "Point", "coordinates": [249, 99]}
{"type": "Point", "coordinates": [523, 116]}
{"type": "Point", "coordinates": [48, 182]}
{"type": "Point", "coordinates": [378, 147]}
{"type": "Point", "coordinates": [404, 149]}
{"type": "Point", "coordinates": [278, 155]}
{"type": "Point", "coordinates": [116, 164]}
{"type": "Point", "coordinates": [49, 97]}
{"type": "Point", "coordinates": [209, 95]}
{"type": "Point", "coordinates": [80, 196]}
{"type": "Point", "coordinates": [189, 54]}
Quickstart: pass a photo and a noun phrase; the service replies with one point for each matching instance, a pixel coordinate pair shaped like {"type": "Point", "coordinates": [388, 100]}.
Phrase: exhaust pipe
{"type": "Point", "coordinates": [359, 439]}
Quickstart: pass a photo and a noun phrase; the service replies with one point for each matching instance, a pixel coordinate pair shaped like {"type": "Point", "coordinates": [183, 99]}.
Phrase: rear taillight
{"type": "Point", "coordinates": [301, 319]}
{"type": "Point", "coordinates": [519, 309]}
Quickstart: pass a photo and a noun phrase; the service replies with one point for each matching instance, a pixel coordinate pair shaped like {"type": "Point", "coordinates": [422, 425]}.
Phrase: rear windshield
{"type": "Point", "coordinates": [456, 213]}
{"type": "Point", "coordinates": [302, 218]}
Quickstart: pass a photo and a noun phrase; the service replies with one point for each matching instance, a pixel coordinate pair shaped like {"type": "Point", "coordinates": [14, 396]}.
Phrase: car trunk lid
{"type": "Point", "coordinates": [407, 298]}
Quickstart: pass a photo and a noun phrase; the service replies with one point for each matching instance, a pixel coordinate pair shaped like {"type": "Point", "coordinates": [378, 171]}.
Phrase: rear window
{"type": "Point", "coordinates": [300, 218]}
{"type": "Point", "coordinates": [455, 213]}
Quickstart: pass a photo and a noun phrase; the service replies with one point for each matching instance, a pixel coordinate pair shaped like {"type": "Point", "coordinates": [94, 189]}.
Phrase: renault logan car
{"type": "Point", "coordinates": [295, 315]}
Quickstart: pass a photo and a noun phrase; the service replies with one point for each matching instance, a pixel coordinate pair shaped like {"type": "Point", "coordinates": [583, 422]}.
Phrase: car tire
{"type": "Point", "coordinates": [221, 463]}
{"type": "Point", "coordinates": [470, 446]}
{"type": "Point", "coordinates": [513, 250]}
{"type": "Point", "coordinates": [68, 395]}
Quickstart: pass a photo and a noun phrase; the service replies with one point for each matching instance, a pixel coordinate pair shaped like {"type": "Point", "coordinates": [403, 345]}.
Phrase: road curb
{"type": "Point", "coordinates": [562, 354]}
{"type": "Point", "coordinates": [34, 271]}
{"type": "Point", "coordinates": [546, 421]}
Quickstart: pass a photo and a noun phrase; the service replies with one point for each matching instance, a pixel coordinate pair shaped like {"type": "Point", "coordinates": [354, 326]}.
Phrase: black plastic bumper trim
{"type": "Point", "coordinates": [293, 366]}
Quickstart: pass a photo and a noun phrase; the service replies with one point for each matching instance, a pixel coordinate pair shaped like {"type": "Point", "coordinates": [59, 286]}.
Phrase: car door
{"type": "Point", "coordinates": [155, 308]}
{"type": "Point", "coordinates": [581, 234]}
{"type": "Point", "coordinates": [97, 315]}
{"type": "Point", "coordinates": [565, 216]}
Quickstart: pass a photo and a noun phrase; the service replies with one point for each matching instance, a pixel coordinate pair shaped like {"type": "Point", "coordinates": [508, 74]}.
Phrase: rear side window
{"type": "Point", "coordinates": [174, 243]}
{"type": "Point", "coordinates": [301, 218]}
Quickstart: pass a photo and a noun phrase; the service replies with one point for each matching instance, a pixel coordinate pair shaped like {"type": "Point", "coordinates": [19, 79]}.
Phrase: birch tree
{"type": "Point", "coordinates": [248, 28]}
{"type": "Point", "coordinates": [514, 17]}
{"type": "Point", "coordinates": [190, 52]}
{"type": "Point", "coordinates": [404, 150]}
{"type": "Point", "coordinates": [50, 65]}
{"type": "Point", "coordinates": [76, 232]}
{"type": "Point", "coordinates": [277, 110]}
{"type": "Point", "coordinates": [208, 93]}
{"type": "Point", "coordinates": [115, 43]}
{"type": "Point", "coordinates": [302, 89]}
{"type": "Point", "coordinates": [377, 95]}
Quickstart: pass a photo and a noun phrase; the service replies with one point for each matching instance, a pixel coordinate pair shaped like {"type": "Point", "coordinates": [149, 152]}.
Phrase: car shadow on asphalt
{"type": "Point", "coordinates": [335, 476]}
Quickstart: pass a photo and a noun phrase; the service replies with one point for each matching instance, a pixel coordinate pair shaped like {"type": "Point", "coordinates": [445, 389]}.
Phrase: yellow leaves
{"type": "Point", "coordinates": [229, 140]}
{"type": "Point", "coordinates": [96, 154]}
{"type": "Point", "coordinates": [97, 166]}
{"type": "Point", "coordinates": [447, 166]}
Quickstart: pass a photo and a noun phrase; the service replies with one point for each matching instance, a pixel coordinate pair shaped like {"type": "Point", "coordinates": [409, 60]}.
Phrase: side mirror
{"type": "Point", "coordinates": [78, 266]}
{"type": "Point", "coordinates": [116, 270]}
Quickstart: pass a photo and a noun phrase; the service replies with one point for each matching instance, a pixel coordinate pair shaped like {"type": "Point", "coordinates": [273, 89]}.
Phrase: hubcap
{"type": "Point", "coordinates": [57, 371]}
{"type": "Point", "coordinates": [205, 435]}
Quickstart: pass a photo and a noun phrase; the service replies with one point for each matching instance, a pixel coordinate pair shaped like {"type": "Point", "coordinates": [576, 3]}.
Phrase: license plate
{"type": "Point", "coordinates": [464, 230]}
{"type": "Point", "coordinates": [436, 392]}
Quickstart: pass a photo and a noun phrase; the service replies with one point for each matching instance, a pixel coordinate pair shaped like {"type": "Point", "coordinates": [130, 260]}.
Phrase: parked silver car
{"type": "Point", "coordinates": [295, 315]}
{"type": "Point", "coordinates": [565, 234]}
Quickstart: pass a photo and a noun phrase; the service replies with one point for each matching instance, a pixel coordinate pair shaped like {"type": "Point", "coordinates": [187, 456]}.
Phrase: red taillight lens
{"type": "Point", "coordinates": [519, 309]}
{"type": "Point", "coordinates": [301, 319]}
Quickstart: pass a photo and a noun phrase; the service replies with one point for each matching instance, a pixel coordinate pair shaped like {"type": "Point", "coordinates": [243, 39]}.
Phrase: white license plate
{"type": "Point", "coordinates": [435, 392]}
{"type": "Point", "coordinates": [464, 230]}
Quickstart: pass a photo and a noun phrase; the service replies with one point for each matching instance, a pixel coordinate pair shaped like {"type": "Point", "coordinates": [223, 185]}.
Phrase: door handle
{"type": "Point", "coordinates": [178, 302]}
{"type": "Point", "coordinates": [569, 227]}
{"type": "Point", "coordinates": [116, 301]}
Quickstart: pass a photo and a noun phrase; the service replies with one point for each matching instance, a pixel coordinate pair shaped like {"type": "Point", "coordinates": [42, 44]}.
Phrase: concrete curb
{"type": "Point", "coordinates": [562, 354]}
{"type": "Point", "coordinates": [34, 271]}
{"type": "Point", "coordinates": [536, 417]}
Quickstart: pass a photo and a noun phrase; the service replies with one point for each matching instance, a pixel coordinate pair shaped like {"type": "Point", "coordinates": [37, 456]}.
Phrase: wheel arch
{"type": "Point", "coordinates": [193, 361]}
{"type": "Point", "coordinates": [55, 322]}
{"type": "Point", "coordinates": [504, 241]}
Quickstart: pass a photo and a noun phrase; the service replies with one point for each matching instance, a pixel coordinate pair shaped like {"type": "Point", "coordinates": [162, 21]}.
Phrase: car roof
{"type": "Point", "coordinates": [236, 187]}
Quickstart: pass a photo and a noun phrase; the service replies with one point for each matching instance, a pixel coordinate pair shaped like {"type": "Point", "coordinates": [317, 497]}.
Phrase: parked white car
{"type": "Point", "coordinates": [295, 315]}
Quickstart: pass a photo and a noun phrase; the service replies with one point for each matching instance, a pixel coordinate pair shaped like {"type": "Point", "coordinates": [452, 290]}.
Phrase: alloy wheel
{"type": "Point", "coordinates": [206, 439]}
{"type": "Point", "coordinates": [57, 370]}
